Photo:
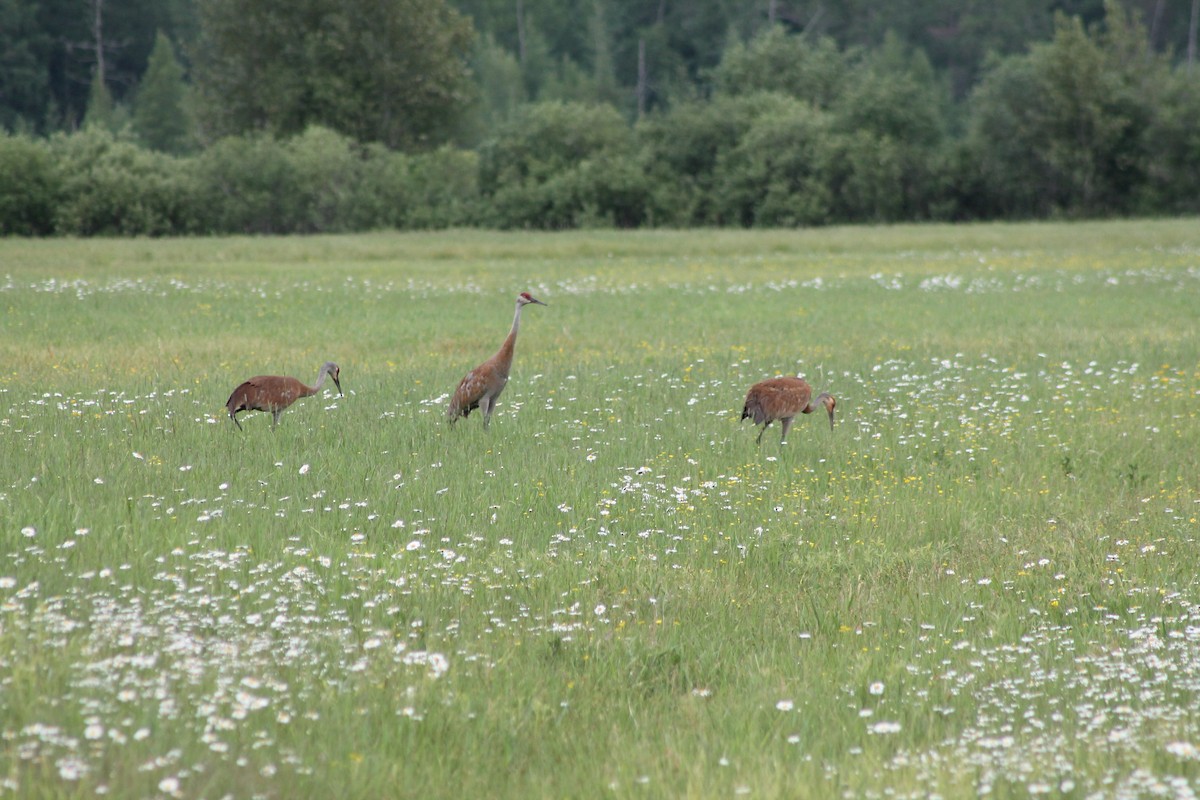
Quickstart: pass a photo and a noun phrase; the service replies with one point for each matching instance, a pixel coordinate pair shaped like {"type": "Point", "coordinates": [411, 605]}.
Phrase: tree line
{"type": "Point", "coordinates": [281, 116]}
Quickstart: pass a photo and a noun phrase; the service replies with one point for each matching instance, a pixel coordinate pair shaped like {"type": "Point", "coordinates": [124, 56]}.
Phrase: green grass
{"type": "Point", "coordinates": [984, 581]}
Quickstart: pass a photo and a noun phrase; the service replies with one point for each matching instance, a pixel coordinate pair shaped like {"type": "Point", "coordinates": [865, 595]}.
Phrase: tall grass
{"type": "Point", "coordinates": [983, 581]}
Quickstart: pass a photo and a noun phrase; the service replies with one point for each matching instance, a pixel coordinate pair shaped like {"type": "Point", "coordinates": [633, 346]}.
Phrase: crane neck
{"type": "Point", "coordinates": [816, 402]}
{"type": "Point", "coordinates": [516, 322]}
{"type": "Point", "coordinates": [506, 349]}
{"type": "Point", "coordinates": [320, 380]}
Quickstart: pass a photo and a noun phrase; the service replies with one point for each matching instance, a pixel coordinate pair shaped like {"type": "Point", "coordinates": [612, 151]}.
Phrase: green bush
{"type": "Point", "coordinates": [605, 191]}
{"type": "Point", "coordinates": [442, 188]}
{"type": "Point", "coordinates": [680, 151]}
{"type": "Point", "coordinates": [560, 165]}
{"type": "Point", "coordinates": [110, 186]}
{"type": "Point", "coordinates": [29, 186]}
{"type": "Point", "coordinates": [439, 189]}
{"type": "Point", "coordinates": [323, 182]}
{"type": "Point", "coordinates": [382, 198]}
{"type": "Point", "coordinates": [327, 170]}
{"type": "Point", "coordinates": [248, 186]}
{"type": "Point", "coordinates": [1171, 183]}
{"type": "Point", "coordinates": [775, 175]}
{"type": "Point", "coordinates": [866, 178]}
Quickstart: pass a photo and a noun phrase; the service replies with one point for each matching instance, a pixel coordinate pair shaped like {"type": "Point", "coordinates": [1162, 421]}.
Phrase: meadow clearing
{"type": "Point", "coordinates": [983, 582]}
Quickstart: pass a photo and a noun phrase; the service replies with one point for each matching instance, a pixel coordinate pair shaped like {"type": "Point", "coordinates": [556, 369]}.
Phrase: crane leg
{"type": "Point", "coordinates": [233, 417]}
{"type": "Point", "coordinates": [787, 423]}
{"type": "Point", "coordinates": [275, 419]}
{"type": "Point", "coordinates": [485, 405]}
{"type": "Point", "coordinates": [761, 431]}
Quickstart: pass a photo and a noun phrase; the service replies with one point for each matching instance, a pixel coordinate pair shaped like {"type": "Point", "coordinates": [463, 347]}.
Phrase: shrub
{"type": "Point", "coordinates": [559, 165]}
{"type": "Point", "coordinates": [776, 174]}
{"type": "Point", "coordinates": [110, 186]}
{"type": "Point", "coordinates": [439, 189]}
{"type": "Point", "coordinates": [866, 178]}
{"type": "Point", "coordinates": [442, 188]}
{"type": "Point", "coordinates": [324, 182]}
{"type": "Point", "coordinates": [248, 186]}
{"type": "Point", "coordinates": [681, 149]}
{"type": "Point", "coordinates": [29, 187]}
{"type": "Point", "coordinates": [327, 170]}
{"type": "Point", "coordinates": [1175, 132]}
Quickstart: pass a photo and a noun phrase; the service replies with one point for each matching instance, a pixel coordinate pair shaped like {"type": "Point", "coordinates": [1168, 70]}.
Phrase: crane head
{"type": "Point", "coordinates": [524, 298]}
{"type": "Point", "coordinates": [335, 372]}
{"type": "Point", "coordinates": [827, 400]}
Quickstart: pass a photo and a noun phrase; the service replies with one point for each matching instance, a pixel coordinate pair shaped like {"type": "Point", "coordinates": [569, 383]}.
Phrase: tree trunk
{"type": "Point", "coordinates": [1191, 57]}
{"type": "Point", "coordinates": [521, 33]}
{"type": "Point", "coordinates": [641, 82]}
{"type": "Point", "coordinates": [98, 34]}
{"type": "Point", "coordinates": [1154, 22]}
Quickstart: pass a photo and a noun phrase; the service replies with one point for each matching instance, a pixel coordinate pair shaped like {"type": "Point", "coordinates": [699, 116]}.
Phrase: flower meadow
{"type": "Point", "coordinates": [982, 583]}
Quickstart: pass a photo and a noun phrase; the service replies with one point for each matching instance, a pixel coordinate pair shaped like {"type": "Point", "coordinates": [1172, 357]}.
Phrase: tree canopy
{"type": "Point", "coordinates": [318, 58]}
{"type": "Point", "coordinates": [392, 72]}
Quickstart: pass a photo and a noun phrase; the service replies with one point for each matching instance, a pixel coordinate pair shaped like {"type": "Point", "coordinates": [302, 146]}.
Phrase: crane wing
{"type": "Point", "coordinates": [466, 397]}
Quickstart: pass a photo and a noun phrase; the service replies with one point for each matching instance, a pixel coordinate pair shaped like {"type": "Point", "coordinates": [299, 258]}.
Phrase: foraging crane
{"type": "Point", "coordinates": [275, 393]}
{"type": "Point", "coordinates": [483, 385]}
{"type": "Point", "coordinates": [782, 399]}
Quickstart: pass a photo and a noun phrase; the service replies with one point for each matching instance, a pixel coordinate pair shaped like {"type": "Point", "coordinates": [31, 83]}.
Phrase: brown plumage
{"type": "Point", "coordinates": [274, 393]}
{"type": "Point", "coordinates": [782, 399]}
{"type": "Point", "coordinates": [483, 385]}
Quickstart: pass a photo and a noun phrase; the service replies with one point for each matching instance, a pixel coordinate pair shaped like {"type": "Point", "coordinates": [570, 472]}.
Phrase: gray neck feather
{"type": "Point", "coordinates": [516, 320]}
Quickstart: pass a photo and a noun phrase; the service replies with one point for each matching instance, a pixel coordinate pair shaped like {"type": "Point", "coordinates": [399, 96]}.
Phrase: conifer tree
{"type": "Point", "coordinates": [161, 117]}
{"type": "Point", "coordinates": [101, 111]}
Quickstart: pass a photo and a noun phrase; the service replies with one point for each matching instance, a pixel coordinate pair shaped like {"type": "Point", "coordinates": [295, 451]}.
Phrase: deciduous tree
{"type": "Point", "coordinates": [1064, 128]}
{"type": "Point", "coordinates": [392, 72]}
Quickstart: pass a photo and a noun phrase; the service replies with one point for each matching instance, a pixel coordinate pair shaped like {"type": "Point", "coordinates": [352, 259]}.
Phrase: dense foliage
{"type": "Point", "coordinates": [389, 72]}
{"type": "Point", "coordinates": [269, 117]}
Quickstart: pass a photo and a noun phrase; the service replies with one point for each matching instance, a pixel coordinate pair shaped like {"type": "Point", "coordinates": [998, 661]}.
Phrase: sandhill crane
{"type": "Point", "coordinates": [483, 385]}
{"type": "Point", "coordinates": [782, 399]}
{"type": "Point", "coordinates": [274, 393]}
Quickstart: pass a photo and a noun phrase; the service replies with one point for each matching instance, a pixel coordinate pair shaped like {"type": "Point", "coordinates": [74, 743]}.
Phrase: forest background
{"type": "Point", "coordinates": [168, 117]}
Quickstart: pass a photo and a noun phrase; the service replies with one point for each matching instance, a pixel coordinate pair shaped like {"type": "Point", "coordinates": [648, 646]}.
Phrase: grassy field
{"type": "Point", "coordinates": [984, 581]}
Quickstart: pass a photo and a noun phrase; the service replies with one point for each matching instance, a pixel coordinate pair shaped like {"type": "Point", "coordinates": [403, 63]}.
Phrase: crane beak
{"type": "Point", "coordinates": [539, 302]}
{"type": "Point", "coordinates": [337, 383]}
{"type": "Point", "coordinates": [830, 406]}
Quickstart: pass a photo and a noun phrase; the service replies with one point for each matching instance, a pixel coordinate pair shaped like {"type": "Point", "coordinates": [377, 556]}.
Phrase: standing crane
{"type": "Point", "coordinates": [482, 386]}
{"type": "Point", "coordinates": [275, 393]}
{"type": "Point", "coordinates": [782, 399]}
